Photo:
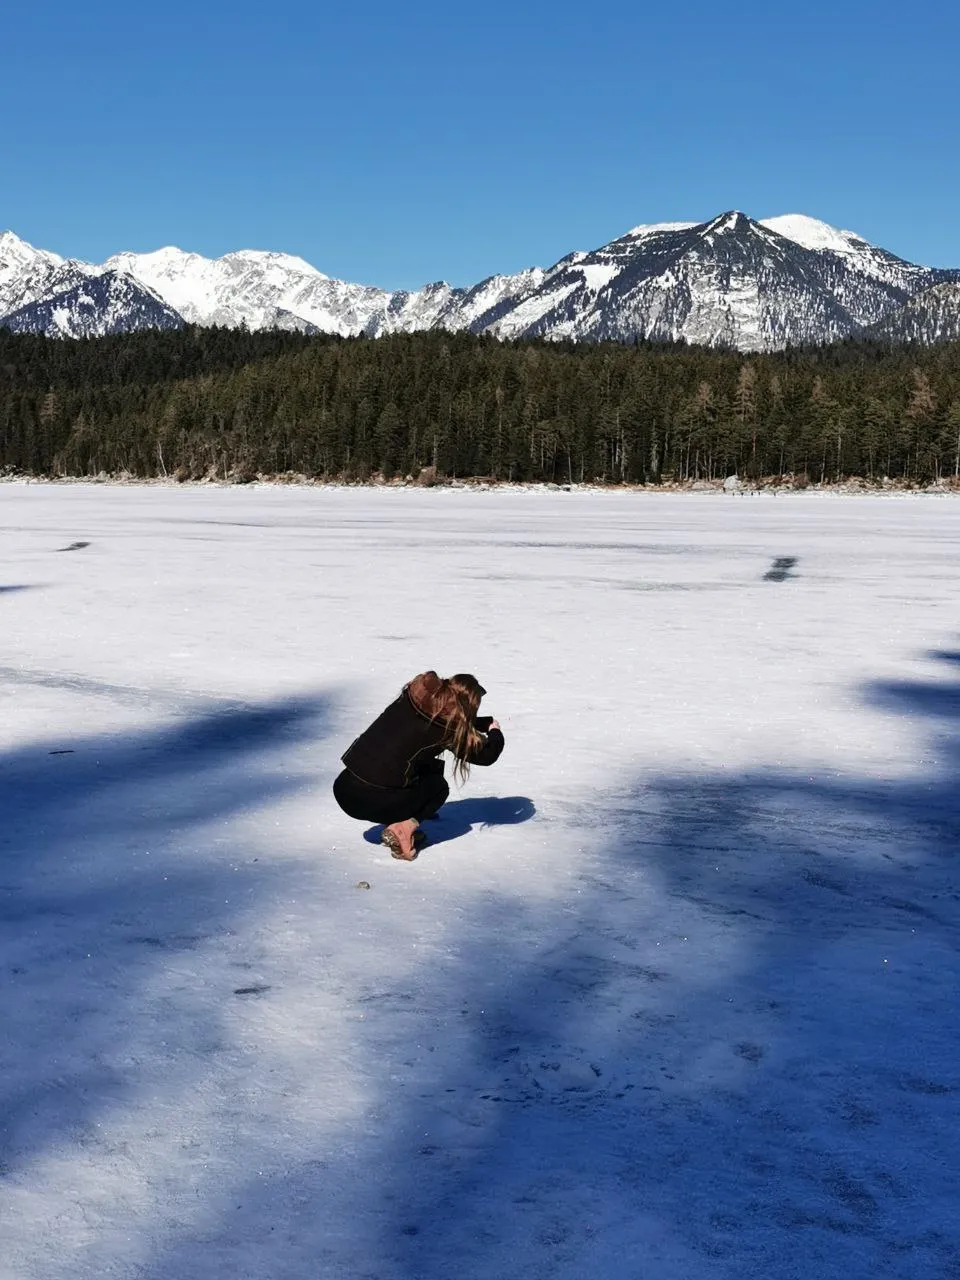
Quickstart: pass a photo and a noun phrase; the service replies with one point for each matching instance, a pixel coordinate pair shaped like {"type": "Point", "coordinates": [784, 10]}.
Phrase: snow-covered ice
{"type": "Point", "coordinates": [673, 992]}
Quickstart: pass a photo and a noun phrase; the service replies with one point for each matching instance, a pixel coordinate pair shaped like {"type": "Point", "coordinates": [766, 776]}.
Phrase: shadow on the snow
{"type": "Point", "coordinates": [117, 861]}
{"type": "Point", "coordinates": [945, 655]}
{"type": "Point", "coordinates": [459, 817]}
{"type": "Point", "coordinates": [931, 698]}
{"type": "Point", "coordinates": [14, 587]}
{"type": "Point", "coordinates": [781, 569]}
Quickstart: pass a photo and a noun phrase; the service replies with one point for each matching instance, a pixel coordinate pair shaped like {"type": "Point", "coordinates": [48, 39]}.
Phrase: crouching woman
{"type": "Point", "coordinates": [394, 770]}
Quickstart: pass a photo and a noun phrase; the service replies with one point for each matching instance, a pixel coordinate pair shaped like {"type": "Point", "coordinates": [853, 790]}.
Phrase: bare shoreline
{"type": "Point", "coordinates": [854, 487]}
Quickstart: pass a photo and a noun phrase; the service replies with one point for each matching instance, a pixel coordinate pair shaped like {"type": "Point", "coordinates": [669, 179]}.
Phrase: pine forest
{"type": "Point", "coordinates": [233, 405]}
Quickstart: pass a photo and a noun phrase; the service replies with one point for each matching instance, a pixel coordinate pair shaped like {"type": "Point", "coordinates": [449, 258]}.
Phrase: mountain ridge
{"type": "Point", "coordinates": [733, 281]}
{"type": "Point", "coordinates": [95, 306]}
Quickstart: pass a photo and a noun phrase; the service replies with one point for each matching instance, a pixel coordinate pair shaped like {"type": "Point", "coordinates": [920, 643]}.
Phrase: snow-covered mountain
{"type": "Point", "coordinates": [930, 316]}
{"type": "Point", "coordinates": [438, 306]}
{"type": "Point", "coordinates": [253, 288]}
{"type": "Point", "coordinates": [732, 281]}
{"type": "Point", "coordinates": [27, 274]}
{"type": "Point", "coordinates": [108, 302]}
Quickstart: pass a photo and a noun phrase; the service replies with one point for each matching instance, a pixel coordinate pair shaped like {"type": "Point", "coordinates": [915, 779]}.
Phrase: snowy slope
{"type": "Point", "coordinates": [105, 303]}
{"type": "Point", "coordinates": [28, 274]}
{"type": "Point", "coordinates": [408, 311]}
{"type": "Point", "coordinates": [672, 993]}
{"type": "Point", "coordinates": [438, 306]}
{"type": "Point", "coordinates": [731, 281]}
{"type": "Point", "coordinates": [930, 316]}
{"type": "Point", "coordinates": [813, 234]}
{"type": "Point", "coordinates": [864, 259]}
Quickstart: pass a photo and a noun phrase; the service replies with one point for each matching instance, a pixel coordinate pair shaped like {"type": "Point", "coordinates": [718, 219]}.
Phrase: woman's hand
{"type": "Point", "coordinates": [494, 724]}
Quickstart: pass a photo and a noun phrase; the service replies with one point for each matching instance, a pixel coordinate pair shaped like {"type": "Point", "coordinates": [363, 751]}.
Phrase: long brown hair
{"type": "Point", "coordinates": [463, 738]}
{"type": "Point", "coordinates": [456, 702]}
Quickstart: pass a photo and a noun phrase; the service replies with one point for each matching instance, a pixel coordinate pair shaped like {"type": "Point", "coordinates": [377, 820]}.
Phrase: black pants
{"type": "Point", "coordinates": [358, 799]}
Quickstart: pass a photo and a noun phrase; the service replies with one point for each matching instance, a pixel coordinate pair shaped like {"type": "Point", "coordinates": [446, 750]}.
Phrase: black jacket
{"type": "Point", "coordinates": [403, 744]}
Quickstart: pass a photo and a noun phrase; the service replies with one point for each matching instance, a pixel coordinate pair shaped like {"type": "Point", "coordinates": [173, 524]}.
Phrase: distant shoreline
{"type": "Point", "coordinates": [854, 487]}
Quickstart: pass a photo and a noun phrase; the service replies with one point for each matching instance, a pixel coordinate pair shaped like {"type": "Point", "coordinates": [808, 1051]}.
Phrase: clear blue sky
{"type": "Point", "coordinates": [396, 143]}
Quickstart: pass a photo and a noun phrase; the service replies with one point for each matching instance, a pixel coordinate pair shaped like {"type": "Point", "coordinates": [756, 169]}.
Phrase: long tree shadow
{"type": "Point", "coordinates": [945, 655]}
{"type": "Point", "coordinates": [728, 1048]}
{"type": "Point", "coordinates": [112, 874]}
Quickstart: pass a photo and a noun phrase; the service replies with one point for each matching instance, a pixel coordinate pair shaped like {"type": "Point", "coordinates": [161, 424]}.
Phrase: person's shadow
{"type": "Point", "coordinates": [459, 817]}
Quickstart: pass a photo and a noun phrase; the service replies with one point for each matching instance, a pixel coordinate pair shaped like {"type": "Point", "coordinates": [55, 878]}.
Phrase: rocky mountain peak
{"type": "Point", "coordinates": [732, 280]}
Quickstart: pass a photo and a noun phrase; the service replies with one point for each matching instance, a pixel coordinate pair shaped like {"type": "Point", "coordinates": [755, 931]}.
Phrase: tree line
{"type": "Point", "coordinates": [198, 403]}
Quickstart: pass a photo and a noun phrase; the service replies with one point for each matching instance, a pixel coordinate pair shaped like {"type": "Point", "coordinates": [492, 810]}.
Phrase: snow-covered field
{"type": "Point", "coordinates": [673, 994]}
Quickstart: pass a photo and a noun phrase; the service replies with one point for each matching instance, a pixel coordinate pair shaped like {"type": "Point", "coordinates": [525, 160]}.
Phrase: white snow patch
{"type": "Point", "coordinates": [599, 274]}
{"type": "Point", "coordinates": [529, 310]}
{"type": "Point", "coordinates": [813, 234]}
{"type": "Point", "coordinates": [657, 228]}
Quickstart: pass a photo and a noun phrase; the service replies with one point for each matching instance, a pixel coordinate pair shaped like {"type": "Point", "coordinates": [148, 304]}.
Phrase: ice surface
{"type": "Point", "coordinates": [673, 993]}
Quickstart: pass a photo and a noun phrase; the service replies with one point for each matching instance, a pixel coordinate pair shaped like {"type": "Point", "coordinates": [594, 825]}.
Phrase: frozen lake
{"type": "Point", "coordinates": [672, 994]}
